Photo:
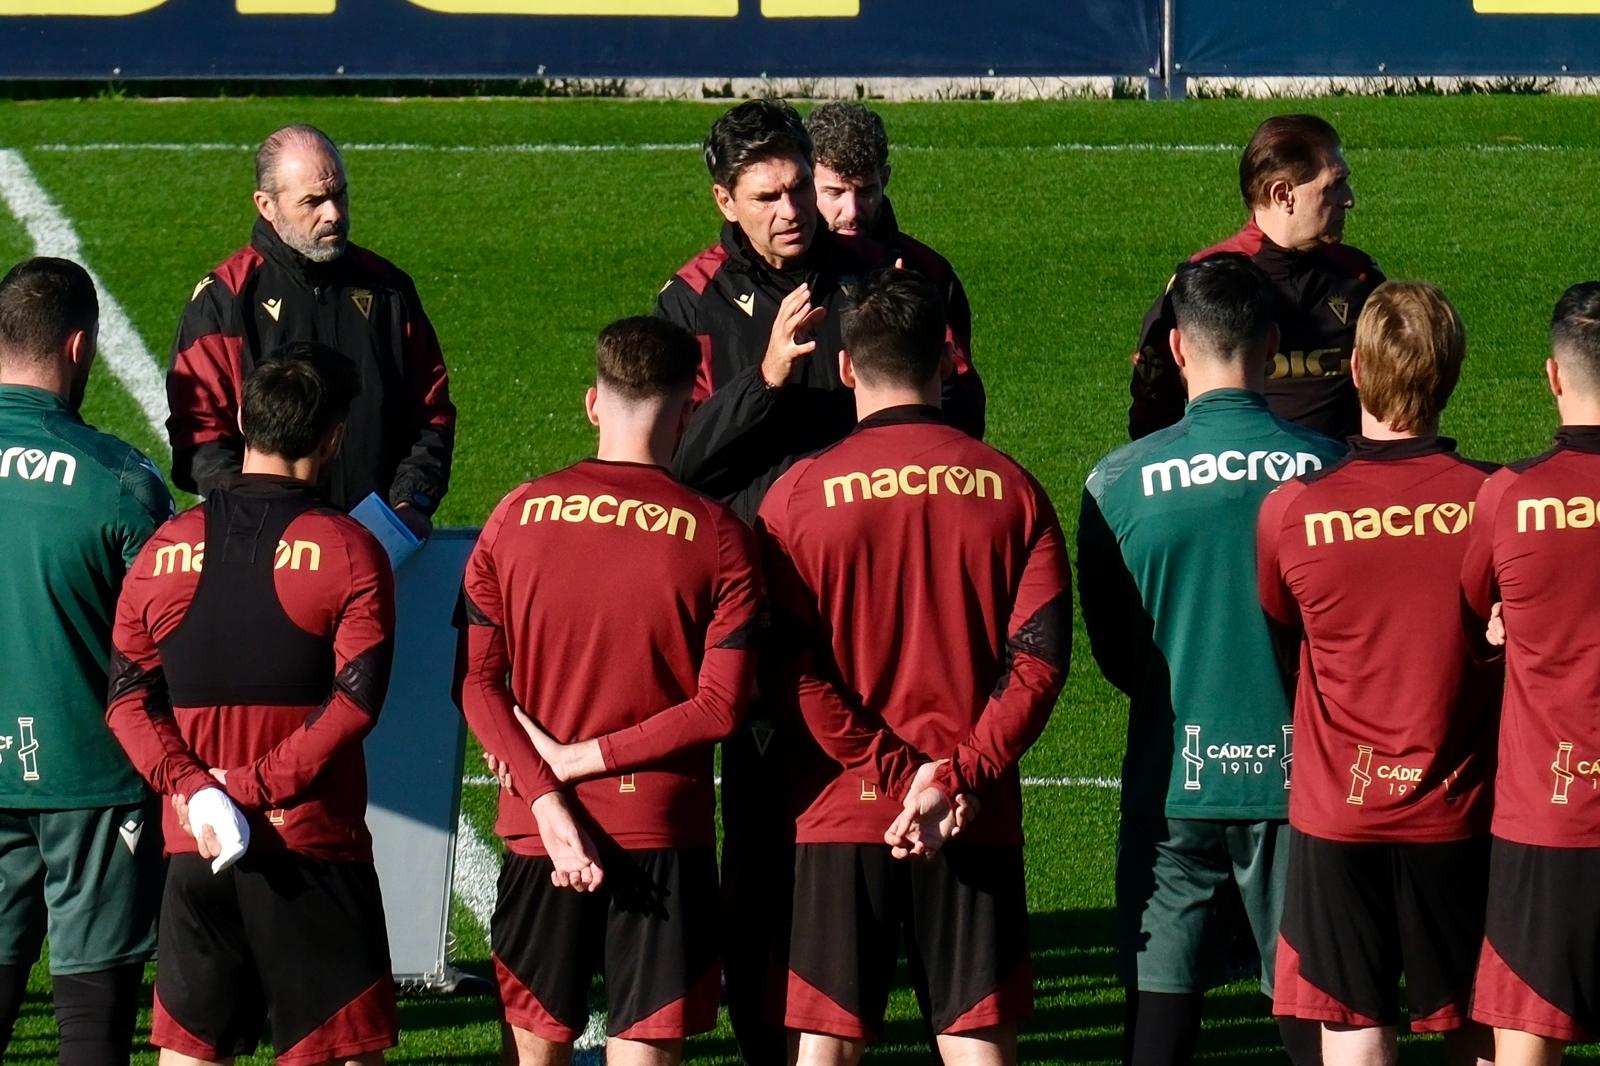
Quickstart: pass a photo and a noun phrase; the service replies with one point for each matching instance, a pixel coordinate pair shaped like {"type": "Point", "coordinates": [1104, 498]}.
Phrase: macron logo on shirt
{"type": "Point", "coordinates": [32, 464]}
{"type": "Point", "coordinates": [1205, 468]}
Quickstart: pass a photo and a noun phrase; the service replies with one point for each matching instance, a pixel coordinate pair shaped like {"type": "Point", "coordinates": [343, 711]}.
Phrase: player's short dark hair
{"type": "Point", "coordinates": [43, 301]}
{"type": "Point", "coordinates": [751, 132]}
{"type": "Point", "coordinates": [1227, 302]}
{"type": "Point", "coordinates": [645, 357]}
{"type": "Point", "coordinates": [1575, 330]}
{"type": "Point", "coordinates": [894, 329]}
{"type": "Point", "coordinates": [271, 151]}
{"type": "Point", "coordinates": [295, 398]}
{"type": "Point", "coordinates": [1291, 148]}
{"type": "Point", "coordinates": [848, 139]}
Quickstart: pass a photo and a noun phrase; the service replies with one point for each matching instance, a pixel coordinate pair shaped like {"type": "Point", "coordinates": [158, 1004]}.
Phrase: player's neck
{"type": "Point", "coordinates": [1374, 428]}
{"type": "Point", "coordinates": [306, 469]}
{"type": "Point", "coordinates": [1279, 229]}
{"type": "Point", "coordinates": [1202, 380]}
{"type": "Point", "coordinates": [48, 379]}
{"type": "Point", "coordinates": [1578, 410]}
{"type": "Point", "coordinates": [872, 399]}
{"type": "Point", "coordinates": [652, 445]}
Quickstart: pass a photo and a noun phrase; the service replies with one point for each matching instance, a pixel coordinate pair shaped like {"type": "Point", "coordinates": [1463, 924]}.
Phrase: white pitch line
{"type": "Point", "coordinates": [477, 873]}
{"type": "Point", "coordinates": [52, 234]}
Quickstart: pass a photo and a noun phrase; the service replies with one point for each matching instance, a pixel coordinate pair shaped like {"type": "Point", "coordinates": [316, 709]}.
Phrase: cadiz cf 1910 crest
{"type": "Point", "coordinates": [1340, 308]}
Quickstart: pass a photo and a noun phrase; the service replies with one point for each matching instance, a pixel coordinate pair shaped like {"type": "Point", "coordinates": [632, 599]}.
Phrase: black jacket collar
{"type": "Point", "coordinates": [1408, 448]}
{"type": "Point", "coordinates": [905, 414]}
{"type": "Point", "coordinates": [265, 239]}
{"type": "Point", "coordinates": [1579, 438]}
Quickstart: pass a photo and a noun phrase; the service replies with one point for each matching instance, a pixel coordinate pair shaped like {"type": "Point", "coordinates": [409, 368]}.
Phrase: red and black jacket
{"type": "Point", "coordinates": [1320, 294]}
{"type": "Point", "coordinates": [401, 430]}
{"type": "Point", "coordinates": [744, 434]}
{"type": "Point", "coordinates": [254, 635]}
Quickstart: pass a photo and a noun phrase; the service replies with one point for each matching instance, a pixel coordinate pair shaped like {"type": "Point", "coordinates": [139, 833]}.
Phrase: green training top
{"type": "Point", "coordinates": [76, 505]}
{"type": "Point", "coordinates": [1167, 577]}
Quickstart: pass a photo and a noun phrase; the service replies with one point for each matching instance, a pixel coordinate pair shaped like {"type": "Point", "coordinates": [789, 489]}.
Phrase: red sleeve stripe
{"type": "Point", "coordinates": [237, 268]}
{"type": "Point", "coordinates": [698, 272]}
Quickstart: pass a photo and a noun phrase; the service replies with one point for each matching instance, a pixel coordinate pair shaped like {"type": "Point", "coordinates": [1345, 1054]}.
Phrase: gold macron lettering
{"type": "Point", "coordinates": [606, 510]}
{"type": "Point", "coordinates": [913, 480]}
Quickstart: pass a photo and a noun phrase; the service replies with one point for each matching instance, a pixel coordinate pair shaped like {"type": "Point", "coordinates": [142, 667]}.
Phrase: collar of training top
{"type": "Point", "coordinates": [886, 229]}
{"type": "Point", "coordinates": [904, 414]}
{"type": "Point", "coordinates": [269, 485]}
{"type": "Point", "coordinates": [31, 396]}
{"type": "Point", "coordinates": [1579, 438]}
{"type": "Point", "coordinates": [1404, 448]}
{"type": "Point", "coordinates": [1218, 398]}
{"type": "Point", "coordinates": [265, 239]}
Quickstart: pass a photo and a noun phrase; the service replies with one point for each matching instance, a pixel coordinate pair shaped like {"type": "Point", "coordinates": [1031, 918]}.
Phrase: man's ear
{"type": "Point", "coordinates": [1280, 194]}
{"type": "Point", "coordinates": [847, 369]}
{"type": "Point", "coordinates": [1552, 374]}
{"type": "Point", "coordinates": [266, 206]}
{"type": "Point", "coordinates": [685, 413]}
{"type": "Point", "coordinates": [335, 439]}
{"type": "Point", "coordinates": [947, 361]}
{"type": "Point", "coordinates": [724, 199]}
{"type": "Point", "coordinates": [1175, 346]}
{"type": "Point", "coordinates": [1355, 368]}
{"type": "Point", "coordinates": [590, 399]}
{"type": "Point", "coordinates": [79, 348]}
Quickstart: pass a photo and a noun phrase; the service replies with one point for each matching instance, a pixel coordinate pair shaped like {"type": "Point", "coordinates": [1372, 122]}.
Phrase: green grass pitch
{"type": "Point", "coordinates": [1064, 220]}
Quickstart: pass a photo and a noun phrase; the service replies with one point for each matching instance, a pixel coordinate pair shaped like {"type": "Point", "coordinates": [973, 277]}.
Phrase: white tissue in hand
{"type": "Point", "coordinates": [211, 806]}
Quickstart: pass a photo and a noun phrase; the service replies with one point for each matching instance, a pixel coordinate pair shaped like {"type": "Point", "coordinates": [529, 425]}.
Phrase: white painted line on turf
{"type": "Point", "coordinates": [485, 781]}
{"type": "Point", "coordinates": [477, 872]}
{"type": "Point", "coordinates": [52, 234]}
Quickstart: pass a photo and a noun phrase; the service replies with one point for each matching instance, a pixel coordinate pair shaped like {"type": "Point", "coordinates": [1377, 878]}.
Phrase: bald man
{"type": "Point", "coordinates": [301, 279]}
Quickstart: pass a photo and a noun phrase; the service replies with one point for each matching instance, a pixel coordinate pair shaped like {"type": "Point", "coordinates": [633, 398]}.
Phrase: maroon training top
{"type": "Point", "coordinates": [1534, 545]}
{"type": "Point", "coordinates": [920, 587]}
{"type": "Point", "coordinates": [624, 607]}
{"type": "Point", "coordinates": [254, 634]}
{"type": "Point", "coordinates": [1394, 721]}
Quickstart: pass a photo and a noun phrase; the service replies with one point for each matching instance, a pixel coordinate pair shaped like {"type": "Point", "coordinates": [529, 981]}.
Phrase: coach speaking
{"type": "Point", "coordinates": [301, 279]}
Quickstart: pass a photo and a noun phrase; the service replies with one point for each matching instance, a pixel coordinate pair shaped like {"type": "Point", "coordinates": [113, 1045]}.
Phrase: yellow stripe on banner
{"type": "Point", "coordinates": [1536, 7]}
{"type": "Point", "coordinates": [285, 7]}
{"type": "Point", "coordinates": [111, 8]}
{"type": "Point", "coordinates": [810, 9]}
{"type": "Point", "coordinates": [675, 8]}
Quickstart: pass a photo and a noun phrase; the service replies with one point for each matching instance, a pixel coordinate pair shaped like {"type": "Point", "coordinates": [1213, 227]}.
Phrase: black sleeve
{"type": "Point", "coordinates": [728, 442]}
{"type": "Point", "coordinates": [1113, 612]}
{"type": "Point", "coordinates": [431, 429]}
{"type": "Point", "coordinates": [964, 403]}
{"type": "Point", "coordinates": [1157, 391]}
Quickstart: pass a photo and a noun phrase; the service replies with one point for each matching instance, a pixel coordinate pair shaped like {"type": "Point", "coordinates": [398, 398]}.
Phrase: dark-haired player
{"type": "Point", "coordinates": [923, 612]}
{"type": "Point", "coordinates": [1166, 563]}
{"type": "Point", "coordinates": [76, 861]}
{"type": "Point", "coordinates": [765, 303]}
{"type": "Point", "coordinates": [252, 651]}
{"type": "Point", "coordinates": [1394, 752]}
{"type": "Point", "coordinates": [1532, 547]}
{"type": "Point", "coordinates": [622, 609]}
{"type": "Point", "coordinates": [852, 179]}
{"type": "Point", "coordinates": [1296, 186]}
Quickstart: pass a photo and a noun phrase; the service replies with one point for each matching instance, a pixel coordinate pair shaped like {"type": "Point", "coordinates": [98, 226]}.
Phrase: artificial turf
{"type": "Point", "coordinates": [1064, 220]}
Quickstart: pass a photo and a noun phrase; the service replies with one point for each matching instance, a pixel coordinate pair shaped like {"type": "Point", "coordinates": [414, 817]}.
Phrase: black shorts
{"type": "Point", "coordinates": [964, 920]}
{"type": "Point", "coordinates": [651, 928]}
{"type": "Point", "coordinates": [1358, 916]}
{"type": "Point", "coordinates": [304, 936]}
{"type": "Point", "coordinates": [1540, 967]}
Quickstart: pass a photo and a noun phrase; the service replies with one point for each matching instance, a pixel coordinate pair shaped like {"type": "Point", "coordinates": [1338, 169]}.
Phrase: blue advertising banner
{"type": "Point", "coordinates": [576, 38]}
{"type": "Point", "coordinates": [1248, 38]}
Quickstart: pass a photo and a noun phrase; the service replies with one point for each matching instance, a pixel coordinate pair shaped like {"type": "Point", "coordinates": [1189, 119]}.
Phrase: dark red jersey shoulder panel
{"type": "Point", "coordinates": [235, 270]}
{"type": "Point", "coordinates": [698, 272]}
